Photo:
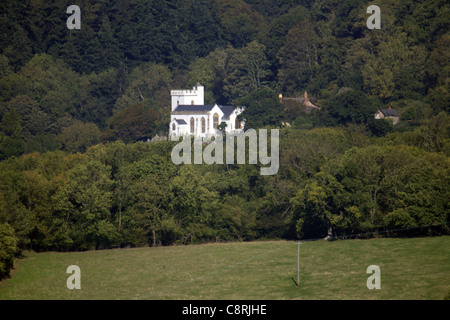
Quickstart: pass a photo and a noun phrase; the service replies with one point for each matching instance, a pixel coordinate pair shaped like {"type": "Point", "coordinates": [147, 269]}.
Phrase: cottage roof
{"type": "Point", "coordinates": [389, 112]}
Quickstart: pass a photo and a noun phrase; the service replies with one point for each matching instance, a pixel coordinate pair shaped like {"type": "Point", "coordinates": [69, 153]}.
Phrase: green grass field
{"type": "Point", "coordinates": [416, 268]}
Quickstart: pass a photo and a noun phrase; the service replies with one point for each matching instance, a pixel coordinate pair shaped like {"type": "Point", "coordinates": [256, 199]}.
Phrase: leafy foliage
{"type": "Point", "coordinates": [8, 249]}
{"type": "Point", "coordinates": [262, 108]}
{"type": "Point", "coordinates": [75, 104]}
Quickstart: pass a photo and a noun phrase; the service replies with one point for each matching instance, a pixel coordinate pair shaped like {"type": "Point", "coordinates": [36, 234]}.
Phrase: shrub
{"type": "Point", "coordinates": [8, 249]}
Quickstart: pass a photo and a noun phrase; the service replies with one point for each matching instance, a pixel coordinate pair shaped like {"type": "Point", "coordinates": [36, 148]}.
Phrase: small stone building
{"type": "Point", "coordinates": [388, 114]}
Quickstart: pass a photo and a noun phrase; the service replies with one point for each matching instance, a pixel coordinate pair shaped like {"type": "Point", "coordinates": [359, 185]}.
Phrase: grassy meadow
{"type": "Point", "coordinates": [414, 268]}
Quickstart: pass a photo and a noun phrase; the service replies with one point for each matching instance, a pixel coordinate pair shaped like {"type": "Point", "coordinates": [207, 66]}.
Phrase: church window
{"type": "Point", "coordinates": [173, 126]}
{"type": "Point", "coordinates": [215, 120]}
{"type": "Point", "coordinates": [192, 125]}
{"type": "Point", "coordinates": [203, 125]}
{"type": "Point", "coordinates": [237, 124]}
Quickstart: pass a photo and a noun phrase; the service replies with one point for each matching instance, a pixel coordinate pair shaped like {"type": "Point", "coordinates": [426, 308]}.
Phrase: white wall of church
{"type": "Point", "coordinates": [207, 117]}
{"type": "Point", "coordinates": [176, 129]}
{"type": "Point", "coordinates": [196, 97]}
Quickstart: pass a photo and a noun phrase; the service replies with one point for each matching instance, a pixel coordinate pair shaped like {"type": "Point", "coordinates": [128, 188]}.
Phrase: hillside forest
{"type": "Point", "coordinates": [79, 107]}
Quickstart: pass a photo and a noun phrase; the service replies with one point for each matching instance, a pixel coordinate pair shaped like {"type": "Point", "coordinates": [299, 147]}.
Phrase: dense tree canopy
{"type": "Point", "coordinates": [132, 52]}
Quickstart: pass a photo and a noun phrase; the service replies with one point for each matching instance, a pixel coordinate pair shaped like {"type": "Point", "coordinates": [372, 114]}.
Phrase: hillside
{"type": "Point", "coordinates": [110, 79]}
{"type": "Point", "coordinates": [78, 107]}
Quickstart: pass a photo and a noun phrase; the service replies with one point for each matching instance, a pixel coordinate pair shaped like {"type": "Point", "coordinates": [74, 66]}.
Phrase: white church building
{"type": "Point", "coordinates": [190, 115]}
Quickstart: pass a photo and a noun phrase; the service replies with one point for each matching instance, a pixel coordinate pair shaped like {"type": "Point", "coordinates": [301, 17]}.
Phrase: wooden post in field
{"type": "Point", "coordinates": [298, 264]}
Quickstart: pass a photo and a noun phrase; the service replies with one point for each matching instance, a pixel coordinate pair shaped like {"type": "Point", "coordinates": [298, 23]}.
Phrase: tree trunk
{"type": "Point", "coordinates": [154, 238]}
{"type": "Point", "coordinates": [120, 214]}
{"type": "Point", "coordinates": [329, 233]}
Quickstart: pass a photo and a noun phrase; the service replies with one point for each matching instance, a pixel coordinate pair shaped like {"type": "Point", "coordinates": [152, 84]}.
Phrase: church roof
{"type": "Point", "coordinates": [180, 121]}
{"type": "Point", "coordinates": [192, 108]}
{"type": "Point", "coordinates": [227, 110]}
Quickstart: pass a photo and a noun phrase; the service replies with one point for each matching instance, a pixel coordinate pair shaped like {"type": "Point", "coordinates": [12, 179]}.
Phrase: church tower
{"type": "Point", "coordinates": [196, 96]}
